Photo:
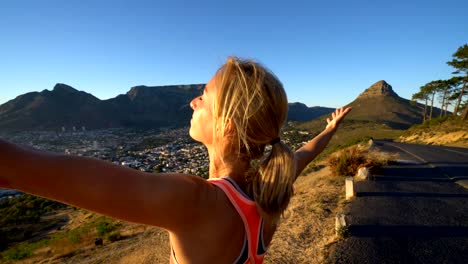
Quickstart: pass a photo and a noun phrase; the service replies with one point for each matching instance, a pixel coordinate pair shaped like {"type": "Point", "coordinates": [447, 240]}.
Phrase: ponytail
{"type": "Point", "coordinates": [272, 183]}
{"type": "Point", "coordinates": [252, 100]}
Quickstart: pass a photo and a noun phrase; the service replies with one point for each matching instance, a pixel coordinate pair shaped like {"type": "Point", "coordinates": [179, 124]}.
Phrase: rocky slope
{"type": "Point", "coordinates": [379, 103]}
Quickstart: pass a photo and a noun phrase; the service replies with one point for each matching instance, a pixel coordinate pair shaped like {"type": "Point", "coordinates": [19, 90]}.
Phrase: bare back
{"type": "Point", "coordinates": [219, 237]}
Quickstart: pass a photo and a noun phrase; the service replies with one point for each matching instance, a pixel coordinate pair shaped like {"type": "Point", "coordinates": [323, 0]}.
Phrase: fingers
{"type": "Point", "coordinates": [347, 110]}
{"type": "Point", "coordinates": [339, 113]}
{"type": "Point", "coordinates": [343, 111]}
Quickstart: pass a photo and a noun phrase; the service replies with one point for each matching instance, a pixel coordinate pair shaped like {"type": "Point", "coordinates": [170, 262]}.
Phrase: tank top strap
{"type": "Point", "coordinates": [247, 209]}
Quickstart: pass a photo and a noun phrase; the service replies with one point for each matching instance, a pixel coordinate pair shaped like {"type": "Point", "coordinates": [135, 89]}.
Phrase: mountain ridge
{"type": "Point", "coordinates": [141, 107]}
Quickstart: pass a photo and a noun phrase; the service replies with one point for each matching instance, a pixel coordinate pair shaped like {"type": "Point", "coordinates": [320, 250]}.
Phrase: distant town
{"type": "Point", "coordinates": [159, 151]}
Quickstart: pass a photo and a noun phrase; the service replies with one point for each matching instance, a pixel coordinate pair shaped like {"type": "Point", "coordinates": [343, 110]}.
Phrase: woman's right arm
{"type": "Point", "coordinates": [164, 200]}
{"type": "Point", "coordinates": [314, 147]}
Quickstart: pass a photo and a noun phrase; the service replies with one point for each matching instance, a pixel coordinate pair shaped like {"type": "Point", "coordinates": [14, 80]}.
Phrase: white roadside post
{"type": "Point", "coordinates": [349, 186]}
{"type": "Point", "coordinates": [340, 225]}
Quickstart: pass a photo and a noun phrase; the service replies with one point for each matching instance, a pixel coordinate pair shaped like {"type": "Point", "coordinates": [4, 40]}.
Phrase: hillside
{"type": "Point", "coordinates": [300, 112]}
{"type": "Point", "coordinates": [381, 104]}
{"type": "Point", "coordinates": [378, 112]}
{"type": "Point", "coordinates": [350, 131]}
{"type": "Point", "coordinates": [448, 131]}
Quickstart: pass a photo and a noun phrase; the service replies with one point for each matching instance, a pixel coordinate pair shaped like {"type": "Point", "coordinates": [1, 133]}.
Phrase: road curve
{"type": "Point", "coordinates": [410, 212]}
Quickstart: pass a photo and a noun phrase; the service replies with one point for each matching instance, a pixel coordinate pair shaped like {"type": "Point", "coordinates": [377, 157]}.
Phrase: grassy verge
{"type": "Point", "coordinates": [65, 241]}
{"type": "Point", "coordinates": [449, 130]}
{"type": "Point", "coordinates": [307, 229]}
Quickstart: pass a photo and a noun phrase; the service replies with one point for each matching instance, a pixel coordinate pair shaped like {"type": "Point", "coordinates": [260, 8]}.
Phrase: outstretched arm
{"type": "Point", "coordinates": [309, 151]}
{"type": "Point", "coordinates": [156, 199]}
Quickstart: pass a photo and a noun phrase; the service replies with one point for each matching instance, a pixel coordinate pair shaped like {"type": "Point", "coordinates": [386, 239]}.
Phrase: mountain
{"type": "Point", "coordinates": [300, 112]}
{"type": "Point", "coordinates": [141, 107]}
{"type": "Point", "coordinates": [378, 112]}
{"type": "Point", "coordinates": [63, 105]}
{"type": "Point", "coordinates": [379, 103]}
{"type": "Point", "coordinates": [155, 106]}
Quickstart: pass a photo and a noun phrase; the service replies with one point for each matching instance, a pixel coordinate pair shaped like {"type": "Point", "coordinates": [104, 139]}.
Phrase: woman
{"type": "Point", "coordinates": [230, 218]}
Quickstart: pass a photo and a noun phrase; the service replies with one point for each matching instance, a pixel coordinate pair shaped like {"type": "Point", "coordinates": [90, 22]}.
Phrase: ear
{"type": "Point", "coordinates": [230, 129]}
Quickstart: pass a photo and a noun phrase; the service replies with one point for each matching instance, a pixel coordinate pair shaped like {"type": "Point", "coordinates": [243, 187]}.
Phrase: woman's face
{"type": "Point", "coordinates": [201, 124]}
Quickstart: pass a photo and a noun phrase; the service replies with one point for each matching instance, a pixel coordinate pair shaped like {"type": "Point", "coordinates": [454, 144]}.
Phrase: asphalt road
{"type": "Point", "coordinates": [411, 212]}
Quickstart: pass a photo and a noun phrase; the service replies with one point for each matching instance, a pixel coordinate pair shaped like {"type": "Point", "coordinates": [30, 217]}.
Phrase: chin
{"type": "Point", "coordinates": [193, 135]}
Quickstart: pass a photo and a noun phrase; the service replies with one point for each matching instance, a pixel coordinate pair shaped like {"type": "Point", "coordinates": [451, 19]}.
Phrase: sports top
{"type": "Point", "coordinates": [253, 250]}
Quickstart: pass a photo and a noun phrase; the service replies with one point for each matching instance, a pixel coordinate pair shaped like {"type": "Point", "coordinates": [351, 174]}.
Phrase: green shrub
{"type": "Point", "coordinates": [74, 236]}
{"type": "Point", "coordinates": [17, 253]}
{"type": "Point", "coordinates": [114, 236]}
{"type": "Point", "coordinates": [104, 227]}
{"type": "Point", "coordinates": [25, 209]}
{"type": "Point", "coordinates": [343, 232]}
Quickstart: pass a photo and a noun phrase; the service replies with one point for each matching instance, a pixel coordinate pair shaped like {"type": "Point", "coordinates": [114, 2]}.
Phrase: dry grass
{"type": "Point", "coordinates": [346, 162]}
{"type": "Point", "coordinates": [307, 229]}
{"type": "Point", "coordinates": [448, 131]}
{"type": "Point", "coordinates": [141, 244]}
{"type": "Point", "coordinates": [457, 138]}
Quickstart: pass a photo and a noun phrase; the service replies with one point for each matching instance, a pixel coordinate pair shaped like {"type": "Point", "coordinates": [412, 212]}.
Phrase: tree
{"type": "Point", "coordinates": [430, 89]}
{"type": "Point", "coordinates": [421, 96]}
{"type": "Point", "coordinates": [457, 92]}
{"type": "Point", "coordinates": [460, 63]}
{"type": "Point", "coordinates": [448, 92]}
{"type": "Point", "coordinates": [444, 89]}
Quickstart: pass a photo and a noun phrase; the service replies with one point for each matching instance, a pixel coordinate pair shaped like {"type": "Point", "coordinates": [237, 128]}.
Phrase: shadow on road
{"type": "Point", "coordinates": [408, 194]}
{"type": "Point", "coordinates": [408, 231]}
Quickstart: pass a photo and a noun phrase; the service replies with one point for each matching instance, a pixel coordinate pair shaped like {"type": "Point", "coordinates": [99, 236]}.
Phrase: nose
{"type": "Point", "coordinates": [193, 103]}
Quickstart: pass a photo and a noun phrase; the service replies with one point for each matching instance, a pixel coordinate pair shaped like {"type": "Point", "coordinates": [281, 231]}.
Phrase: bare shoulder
{"type": "Point", "coordinates": [184, 200]}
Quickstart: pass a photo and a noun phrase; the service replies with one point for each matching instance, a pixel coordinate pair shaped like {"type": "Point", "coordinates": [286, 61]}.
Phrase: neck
{"type": "Point", "coordinates": [228, 165]}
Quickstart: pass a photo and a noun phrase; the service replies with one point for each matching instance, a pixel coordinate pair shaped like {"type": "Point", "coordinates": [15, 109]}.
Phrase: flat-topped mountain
{"type": "Point", "coordinates": [64, 106]}
{"type": "Point", "coordinates": [141, 107]}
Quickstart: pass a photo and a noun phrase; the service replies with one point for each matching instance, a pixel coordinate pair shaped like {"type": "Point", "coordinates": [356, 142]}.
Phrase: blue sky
{"type": "Point", "coordinates": [324, 52]}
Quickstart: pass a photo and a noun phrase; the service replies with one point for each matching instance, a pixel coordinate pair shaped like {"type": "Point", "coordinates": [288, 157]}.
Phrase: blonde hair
{"type": "Point", "coordinates": [252, 100]}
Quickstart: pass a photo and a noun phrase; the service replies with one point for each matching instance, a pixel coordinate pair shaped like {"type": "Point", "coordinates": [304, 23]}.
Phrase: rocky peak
{"type": "Point", "coordinates": [137, 91]}
{"type": "Point", "coordinates": [298, 105]}
{"type": "Point", "coordinates": [60, 87]}
{"type": "Point", "coordinates": [380, 88]}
